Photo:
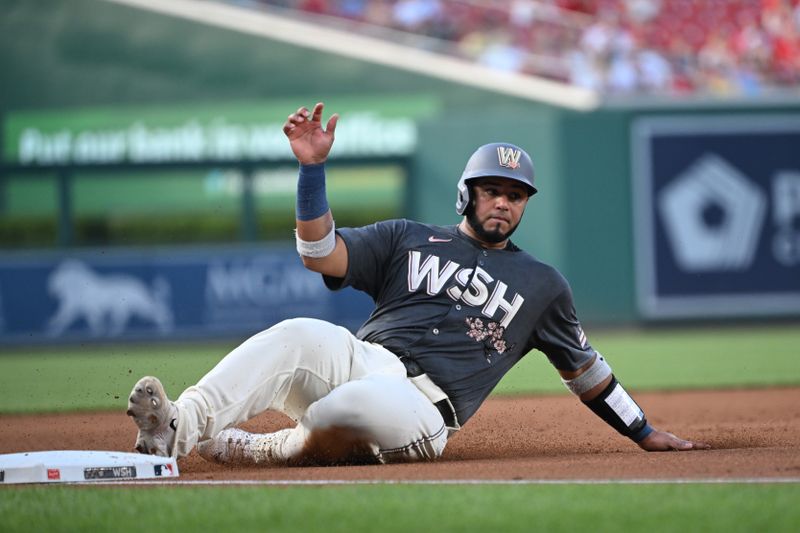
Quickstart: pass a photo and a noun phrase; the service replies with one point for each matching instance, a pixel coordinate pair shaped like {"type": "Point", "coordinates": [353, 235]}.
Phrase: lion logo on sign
{"type": "Point", "coordinates": [106, 302]}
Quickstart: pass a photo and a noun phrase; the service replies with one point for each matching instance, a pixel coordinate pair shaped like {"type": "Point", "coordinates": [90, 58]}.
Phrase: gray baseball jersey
{"type": "Point", "coordinates": [465, 314]}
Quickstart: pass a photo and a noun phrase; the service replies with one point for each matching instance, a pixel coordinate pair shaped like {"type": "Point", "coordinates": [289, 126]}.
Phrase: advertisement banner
{"type": "Point", "coordinates": [717, 215]}
{"type": "Point", "coordinates": [159, 294]}
{"type": "Point", "coordinates": [229, 131]}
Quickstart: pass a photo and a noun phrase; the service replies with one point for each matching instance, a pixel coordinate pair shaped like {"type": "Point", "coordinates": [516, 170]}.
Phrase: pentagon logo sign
{"type": "Point", "coordinates": [716, 215]}
{"type": "Point", "coordinates": [713, 215]}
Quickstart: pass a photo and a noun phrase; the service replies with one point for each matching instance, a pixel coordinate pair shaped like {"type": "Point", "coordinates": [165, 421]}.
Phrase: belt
{"type": "Point", "coordinates": [435, 394]}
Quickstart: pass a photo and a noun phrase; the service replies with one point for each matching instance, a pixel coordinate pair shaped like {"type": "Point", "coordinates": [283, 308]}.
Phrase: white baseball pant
{"type": "Point", "coordinates": [322, 377]}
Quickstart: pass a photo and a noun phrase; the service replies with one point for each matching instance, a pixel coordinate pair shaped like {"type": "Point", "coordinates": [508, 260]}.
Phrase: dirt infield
{"type": "Point", "coordinates": [754, 434]}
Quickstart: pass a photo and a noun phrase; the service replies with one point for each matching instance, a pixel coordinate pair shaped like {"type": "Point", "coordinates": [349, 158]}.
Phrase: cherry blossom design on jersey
{"type": "Point", "coordinates": [489, 333]}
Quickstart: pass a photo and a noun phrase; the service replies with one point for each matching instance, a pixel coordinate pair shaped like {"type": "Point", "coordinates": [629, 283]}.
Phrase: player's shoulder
{"type": "Point", "coordinates": [413, 227]}
{"type": "Point", "coordinates": [399, 232]}
{"type": "Point", "coordinates": [541, 270]}
{"type": "Point", "coordinates": [396, 225]}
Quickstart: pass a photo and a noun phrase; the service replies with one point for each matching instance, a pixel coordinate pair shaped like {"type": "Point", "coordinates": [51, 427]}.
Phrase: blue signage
{"type": "Point", "coordinates": [717, 215]}
{"type": "Point", "coordinates": [163, 293]}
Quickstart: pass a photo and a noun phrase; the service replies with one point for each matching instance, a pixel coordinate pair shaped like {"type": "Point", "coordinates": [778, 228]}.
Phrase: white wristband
{"type": "Point", "coordinates": [593, 376]}
{"type": "Point", "coordinates": [321, 248]}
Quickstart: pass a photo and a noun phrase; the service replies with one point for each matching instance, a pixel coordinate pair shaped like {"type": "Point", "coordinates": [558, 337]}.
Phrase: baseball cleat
{"type": "Point", "coordinates": [234, 446]}
{"type": "Point", "coordinates": [155, 416]}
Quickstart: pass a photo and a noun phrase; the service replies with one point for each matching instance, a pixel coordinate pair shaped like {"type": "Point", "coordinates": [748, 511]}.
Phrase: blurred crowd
{"type": "Point", "coordinates": [718, 47]}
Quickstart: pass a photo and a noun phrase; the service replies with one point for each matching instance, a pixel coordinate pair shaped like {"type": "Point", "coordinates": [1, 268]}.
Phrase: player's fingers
{"type": "Point", "coordinates": [317, 113]}
{"type": "Point", "coordinates": [331, 127]}
{"type": "Point", "coordinates": [291, 123]}
{"type": "Point", "coordinates": [299, 116]}
{"type": "Point", "coordinates": [672, 442]}
{"type": "Point", "coordinates": [294, 120]}
{"type": "Point", "coordinates": [680, 445]}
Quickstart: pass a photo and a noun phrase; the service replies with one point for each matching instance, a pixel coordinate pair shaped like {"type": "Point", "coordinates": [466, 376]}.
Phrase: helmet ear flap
{"type": "Point", "coordinates": [470, 209]}
{"type": "Point", "coordinates": [464, 198]}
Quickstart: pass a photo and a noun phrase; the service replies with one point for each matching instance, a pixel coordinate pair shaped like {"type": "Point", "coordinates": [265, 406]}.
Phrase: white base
{"type": "Point", "coordinates": [69, 466]}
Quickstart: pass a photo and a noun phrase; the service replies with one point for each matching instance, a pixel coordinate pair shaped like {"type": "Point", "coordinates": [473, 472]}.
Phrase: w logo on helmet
{"type": "Point", "coordinates": [508, 157]}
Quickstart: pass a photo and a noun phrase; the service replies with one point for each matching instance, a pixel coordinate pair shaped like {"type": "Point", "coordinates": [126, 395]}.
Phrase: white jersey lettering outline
{"type": "Point", "coordinates": [462, 278]}
{"type": "Point", "coordinates": [476, 294]}
{"type": "Point", "coordinates": [496, 300]}
{"type": "Point", "coordinates": [428, 269]}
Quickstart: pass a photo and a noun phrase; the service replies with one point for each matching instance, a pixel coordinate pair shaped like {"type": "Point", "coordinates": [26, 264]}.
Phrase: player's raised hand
{"type": "Point", "coordinates": [661, 441]}
{"type": "Point", "coordinates": [309, 142]}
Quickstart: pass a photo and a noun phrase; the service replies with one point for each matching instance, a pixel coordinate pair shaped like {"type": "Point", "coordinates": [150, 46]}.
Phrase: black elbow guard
{"type": "Point", "coordinates": [617, 408]}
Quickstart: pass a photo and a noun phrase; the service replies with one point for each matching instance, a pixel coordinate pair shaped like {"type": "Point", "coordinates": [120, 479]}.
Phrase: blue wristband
{"type": "Point", "coordinates": [312, 201]}
{"type": "Point", "coordinates": [640, 435]}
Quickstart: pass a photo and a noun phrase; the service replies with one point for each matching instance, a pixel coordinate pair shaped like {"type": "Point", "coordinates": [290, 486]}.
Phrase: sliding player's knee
{"type": "Point", "coordinates": [354, 405]}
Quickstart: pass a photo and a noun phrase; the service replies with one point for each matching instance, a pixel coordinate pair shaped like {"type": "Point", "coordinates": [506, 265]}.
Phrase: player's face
{"type": "Point", "coordinates": [497, 207]}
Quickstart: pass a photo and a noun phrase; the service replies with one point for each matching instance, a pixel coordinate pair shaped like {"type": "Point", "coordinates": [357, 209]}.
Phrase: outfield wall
{"type": "Point", "coordinates": [163, 293]}
{"type": "Point", "coordinates": [602, 174]}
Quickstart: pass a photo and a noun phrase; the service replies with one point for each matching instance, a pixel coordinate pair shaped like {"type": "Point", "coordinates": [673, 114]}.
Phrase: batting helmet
{"type": "Point", "coordinates": [495, 159]}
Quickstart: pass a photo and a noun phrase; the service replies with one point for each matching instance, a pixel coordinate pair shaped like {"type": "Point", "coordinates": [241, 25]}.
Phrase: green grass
{"type": "Point", "coordinates": [405, 508]}
{"type": "Point", "coordinates": [680, 359]}
{"type": "Point", "coordinates": [95, 377]}
{"type": "Point", "coordinates": [100, 377]}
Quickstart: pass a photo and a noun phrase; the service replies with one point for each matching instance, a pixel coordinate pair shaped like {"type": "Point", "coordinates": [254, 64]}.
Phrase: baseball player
{"type": "Point", "coordinates": [455, 308]}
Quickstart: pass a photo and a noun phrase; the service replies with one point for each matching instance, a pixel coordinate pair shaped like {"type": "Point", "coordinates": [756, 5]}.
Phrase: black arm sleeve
{"type": "Point", "coordinates": [617, 408]}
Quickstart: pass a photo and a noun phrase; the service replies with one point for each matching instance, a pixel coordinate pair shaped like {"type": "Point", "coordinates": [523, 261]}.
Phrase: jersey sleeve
{"type": "Point", "coordinates": [560, 336]}
{"type": "Point", "coordinates": [369, 253]}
